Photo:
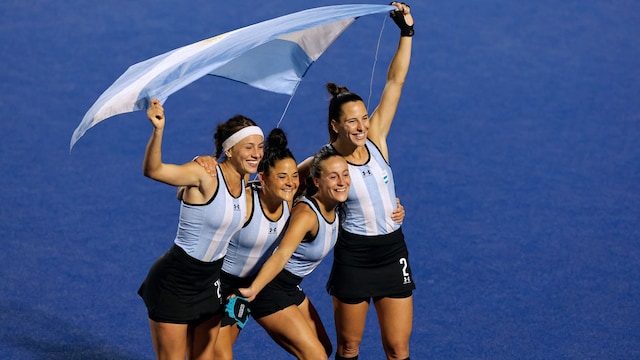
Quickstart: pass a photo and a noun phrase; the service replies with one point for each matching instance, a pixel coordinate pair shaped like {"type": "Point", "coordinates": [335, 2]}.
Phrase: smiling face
{"type": "Point", "coordinates": [333, 182]}
{"type": "Point", "coordinates": [353, 125]}
{"type": "Point", "coordinates": [282, 180]}
{"type": "Point", "coordinates": [246, 154]}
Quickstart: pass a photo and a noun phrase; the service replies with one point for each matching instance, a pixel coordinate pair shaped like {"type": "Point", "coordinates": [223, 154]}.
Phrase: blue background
{"type": "Point", "coordinates": [515, 148]}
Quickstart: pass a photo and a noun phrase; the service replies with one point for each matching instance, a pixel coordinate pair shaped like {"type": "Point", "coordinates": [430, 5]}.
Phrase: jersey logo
{"type": "Point", "coordinates": [385, 177]}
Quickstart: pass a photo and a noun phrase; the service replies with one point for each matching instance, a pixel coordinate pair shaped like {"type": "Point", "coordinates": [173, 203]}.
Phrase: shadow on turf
{"type": "Point", "coordinates": [35, 334]}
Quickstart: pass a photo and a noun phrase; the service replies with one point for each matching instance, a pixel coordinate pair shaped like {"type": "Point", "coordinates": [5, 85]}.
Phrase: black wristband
{"type": "Point", "coordinates": [408, 31]}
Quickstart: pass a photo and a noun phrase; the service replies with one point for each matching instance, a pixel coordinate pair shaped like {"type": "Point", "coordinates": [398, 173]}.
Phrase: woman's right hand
{"type": "Point", "coordinates": [155, 113]}
{"type": "Point", "coordinates": [248, 293]}
{"type": "Point", "coordinates": [209, 163]}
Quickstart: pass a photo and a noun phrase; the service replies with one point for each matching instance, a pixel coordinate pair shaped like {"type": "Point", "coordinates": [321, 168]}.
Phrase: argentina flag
{"type": "Point", "coordinates": [272, 55]}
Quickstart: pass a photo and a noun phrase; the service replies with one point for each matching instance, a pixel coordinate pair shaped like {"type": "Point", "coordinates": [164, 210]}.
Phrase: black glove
{"type": "Point", "coordinates": [398, 18]}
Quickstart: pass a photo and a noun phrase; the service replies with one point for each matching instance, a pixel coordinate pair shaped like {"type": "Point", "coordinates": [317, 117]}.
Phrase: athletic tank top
{"type": "Point", "coordinates": [310, 252]}
{"type": "Point", "coordinates": [204, 230]}
{"type": "Point", "coordinates": [250, 247]}
{"type": "Point", "coordinates": [372, 196]}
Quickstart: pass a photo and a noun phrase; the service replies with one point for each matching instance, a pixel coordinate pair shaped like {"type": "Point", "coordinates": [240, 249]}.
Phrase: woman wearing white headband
{"type": "Point", "coordinates": [181, 290]}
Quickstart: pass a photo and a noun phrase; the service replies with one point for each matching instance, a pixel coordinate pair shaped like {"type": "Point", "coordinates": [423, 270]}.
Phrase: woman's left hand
{"type": "Point", "coordinates": [398, 214]}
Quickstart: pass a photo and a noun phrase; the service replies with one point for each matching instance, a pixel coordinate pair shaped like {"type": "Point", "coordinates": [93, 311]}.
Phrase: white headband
{"type": "Point", "coordinates": [239, 135]}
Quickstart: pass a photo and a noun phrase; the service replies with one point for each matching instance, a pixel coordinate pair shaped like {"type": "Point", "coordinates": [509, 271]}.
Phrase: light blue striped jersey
{"type": "Point", "coordinates": [372, 196]}
{"type": "Point", "coordinates": [310, 252]}
{"type": "Point", "coordinates": [252, 246]}
{"type": "Point", "coordinates": [204, 230]}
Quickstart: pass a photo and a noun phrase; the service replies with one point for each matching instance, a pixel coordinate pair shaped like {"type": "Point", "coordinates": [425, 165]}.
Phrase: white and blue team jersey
{"type": "Point", "coordinates": [372, 196]}
{"type": "Point", "coordinates": [204, 230]}
{"type": "Point", "coordinates": [252, 246]}
{"type": "Point", "coordinates": [310, 252]}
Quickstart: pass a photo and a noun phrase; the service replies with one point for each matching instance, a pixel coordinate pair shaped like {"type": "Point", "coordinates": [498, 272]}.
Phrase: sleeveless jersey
{"type": "Point", "coordinates": [310, 252]}
{"type": "Point", "coordinates": [204, 230]}
{"type": "Point", "coordinates": [372, 196]}
{"type": "Point", "coordinates": [250, 247]}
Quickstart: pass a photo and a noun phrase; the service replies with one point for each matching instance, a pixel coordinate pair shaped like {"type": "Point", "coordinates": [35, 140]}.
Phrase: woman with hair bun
{"type": "Point", "coordinates": [269, 202]}
{"type": "Point", "coordinates": [278, 303]}
{"type": "Point", "coordinates": [371, 260]}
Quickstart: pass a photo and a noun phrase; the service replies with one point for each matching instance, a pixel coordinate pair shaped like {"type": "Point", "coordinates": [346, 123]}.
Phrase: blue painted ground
{"type": "Point", "coordinates": [516, 149]}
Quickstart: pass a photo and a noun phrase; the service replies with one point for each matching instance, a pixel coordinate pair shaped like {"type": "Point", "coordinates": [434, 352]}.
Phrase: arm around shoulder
{"type": "Point", "coordinates": [302, 222]}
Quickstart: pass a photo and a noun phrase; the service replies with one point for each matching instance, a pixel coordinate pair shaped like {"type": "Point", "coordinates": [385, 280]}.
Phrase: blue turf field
{"type": "Point", "coordinates": [516, 149]}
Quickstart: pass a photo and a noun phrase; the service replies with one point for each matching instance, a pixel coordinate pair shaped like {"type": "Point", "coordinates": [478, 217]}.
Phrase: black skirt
{"type": "Point", "coordinates": [180, 289]}
{"type": "Point", "coordinates": [370, 266]}
{"type": "Point", "coordinates": [282, 292]}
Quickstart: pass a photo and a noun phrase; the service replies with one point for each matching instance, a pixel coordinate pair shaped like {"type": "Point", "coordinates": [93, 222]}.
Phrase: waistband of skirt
{"type": "Point", "coordinates": [369, 241]}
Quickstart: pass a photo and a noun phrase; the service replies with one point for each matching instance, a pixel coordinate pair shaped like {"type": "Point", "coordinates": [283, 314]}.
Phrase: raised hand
{"type": "Point", "coordinates": [155, 113]}
{"type": "Point", "coordinates": [402, 17]}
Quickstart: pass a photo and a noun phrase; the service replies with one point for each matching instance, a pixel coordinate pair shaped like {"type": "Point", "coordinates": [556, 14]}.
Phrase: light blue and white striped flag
{"type": "Point", "coordinates": [272, 55]}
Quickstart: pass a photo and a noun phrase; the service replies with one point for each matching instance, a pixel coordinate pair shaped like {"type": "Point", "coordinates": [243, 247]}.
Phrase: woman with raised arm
{"type": "Point", "coordinates": [371, 260]}
{"type": "Point", "coordinates": [182, 288]}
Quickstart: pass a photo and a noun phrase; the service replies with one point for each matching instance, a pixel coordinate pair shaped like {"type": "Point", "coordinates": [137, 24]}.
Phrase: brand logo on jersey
{"type": "Point", "coordinates": [366, 172]}
{"type": "Point", "coordinates": [273, 230]}
{"type": "Point", "coordinates": [236, 207]}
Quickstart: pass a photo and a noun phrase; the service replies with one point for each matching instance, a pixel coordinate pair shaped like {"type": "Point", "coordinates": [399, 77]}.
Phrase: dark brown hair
{"type": "Point", "coordinates": [228, 128]}
{"type": "Point", "coordinates": [339, 96]}
{"type": "Point", "coordinates": [315, 169]}
{"type": "Point", "coordinates": [275, 149]}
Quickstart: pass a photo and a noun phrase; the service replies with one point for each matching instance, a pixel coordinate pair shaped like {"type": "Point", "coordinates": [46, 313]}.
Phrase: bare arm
{"type": "Point", "coordinates": [303, 173]}
{"type": "Point", "coordinates": [303, 221]}
{"type": "Point", "coordinates": [152, 165]}
{"type": "Point", "coordinates": [383, 115]}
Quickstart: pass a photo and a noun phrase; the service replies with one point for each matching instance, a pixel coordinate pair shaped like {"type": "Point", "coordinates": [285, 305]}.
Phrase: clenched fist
{"type": "Point", "coordinates": [155, 113]}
